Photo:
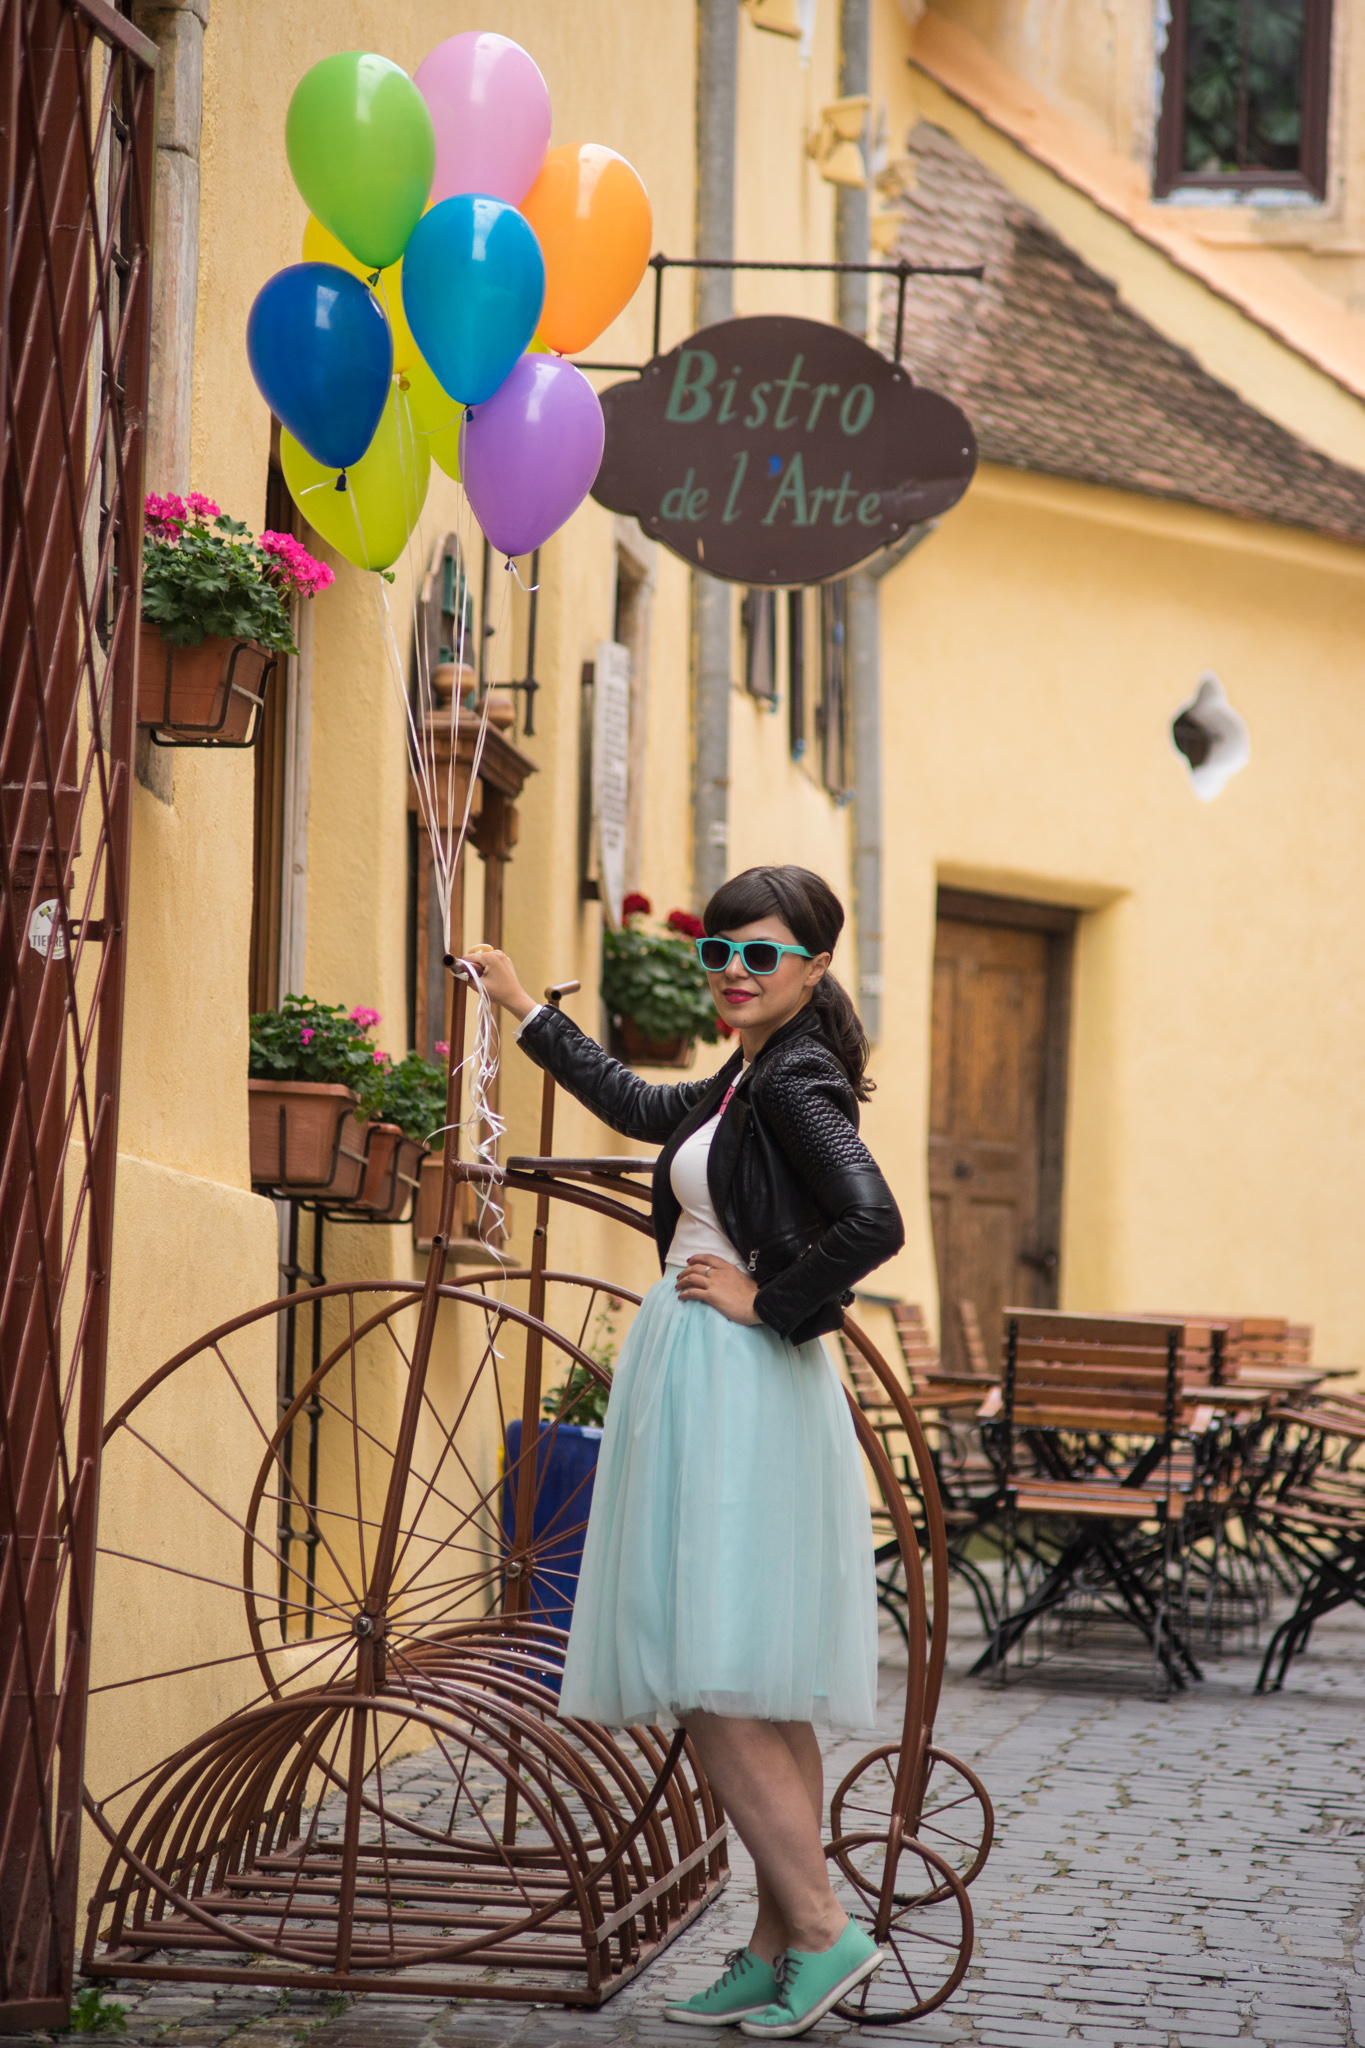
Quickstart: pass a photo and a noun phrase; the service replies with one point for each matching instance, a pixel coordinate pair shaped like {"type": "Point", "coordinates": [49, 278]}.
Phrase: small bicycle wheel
{"type": "Point", "coordinates": [922, 1923]}
{"type": "Point", "coordinates": [955, 1818]}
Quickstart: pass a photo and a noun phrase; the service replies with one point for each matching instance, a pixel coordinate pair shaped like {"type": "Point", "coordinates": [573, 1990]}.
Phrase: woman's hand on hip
{"type": "Point", "coordinates": [499, 977]}
{"type": "Point", "coordinates": [721, 1286]}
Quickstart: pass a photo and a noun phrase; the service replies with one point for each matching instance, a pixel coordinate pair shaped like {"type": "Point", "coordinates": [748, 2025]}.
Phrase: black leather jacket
{"type": "Point", "coordinates": [796, 1190]}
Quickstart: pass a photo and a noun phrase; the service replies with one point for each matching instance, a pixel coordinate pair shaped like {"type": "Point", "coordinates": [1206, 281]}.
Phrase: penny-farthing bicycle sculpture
{"type": "Point", "coordinates": [384, 1797]}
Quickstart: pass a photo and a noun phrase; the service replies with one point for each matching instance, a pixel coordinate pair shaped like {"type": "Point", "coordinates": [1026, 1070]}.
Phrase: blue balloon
{"type": "Point", "coordinates": [473, 287]}
{"type": "Point", "coordinates": [322, 355]}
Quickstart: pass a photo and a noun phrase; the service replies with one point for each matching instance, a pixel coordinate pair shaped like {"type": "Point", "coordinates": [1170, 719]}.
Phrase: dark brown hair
{"type": "Point", "coordinates": [814, 916]}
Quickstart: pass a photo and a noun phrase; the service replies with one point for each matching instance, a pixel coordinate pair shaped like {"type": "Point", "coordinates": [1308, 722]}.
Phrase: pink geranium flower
{"type": "Point", "coordinates": [381, 1059]}
{"type": "Point", "coordinates": [165, 516]}
{"type": "Point", "coordinates": [292, 567]}
{"type": "Point", "coordinates": [306, 1033]}
{"type": "Point", "coordinates": [202, 507]}
{"type": "Point", "coordinates": [365, 1018]}
{"type": "Point", "coordinates": [443, 1048]}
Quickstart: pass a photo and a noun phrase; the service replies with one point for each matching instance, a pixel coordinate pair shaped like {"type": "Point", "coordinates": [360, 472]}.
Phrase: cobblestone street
{"type": "Point", "coordinates": [1167, 1874]}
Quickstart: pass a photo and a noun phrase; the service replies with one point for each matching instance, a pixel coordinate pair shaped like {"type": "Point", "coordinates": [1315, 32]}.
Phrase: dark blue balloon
{"type": "Point", "coordinates": [322, 355]}
{"type": "Point", "coordinates": [473, 287]}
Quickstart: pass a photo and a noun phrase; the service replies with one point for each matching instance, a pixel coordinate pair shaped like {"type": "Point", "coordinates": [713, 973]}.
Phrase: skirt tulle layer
{"type": "Point", "coordinates": [728, 1559]}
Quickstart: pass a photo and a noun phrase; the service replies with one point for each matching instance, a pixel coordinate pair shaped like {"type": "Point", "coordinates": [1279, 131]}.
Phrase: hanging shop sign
{"type": "Point", "coordinates": [777, 450]}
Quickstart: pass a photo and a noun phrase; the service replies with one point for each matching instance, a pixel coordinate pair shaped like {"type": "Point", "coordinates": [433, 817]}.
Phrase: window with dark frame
{"type": "Point", "coordinates": [832, 712]}
{"type": "Point", "coordinates": [1245, 96]}
{"type": "Point", "coordinates": [796, 673]}
{"type": "Point", "coordinates": [758, 617]}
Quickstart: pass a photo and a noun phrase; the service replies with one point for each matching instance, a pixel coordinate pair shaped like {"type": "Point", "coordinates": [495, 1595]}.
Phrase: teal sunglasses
{"type": "Point", "coordinates": [757, 956]}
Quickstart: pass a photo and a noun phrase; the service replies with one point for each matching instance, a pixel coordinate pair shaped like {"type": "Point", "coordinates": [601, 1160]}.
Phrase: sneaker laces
{"type": "Point", "coordinates": [785, 1970]}
{"type": "Point", "coordinates": [733, 1963]}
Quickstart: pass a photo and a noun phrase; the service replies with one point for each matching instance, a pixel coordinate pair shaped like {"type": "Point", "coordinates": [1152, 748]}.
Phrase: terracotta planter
{"type": "Point", "coordinates": [393, 1166]}
{"type": "Point", "coordinates": [306, 1139]}
{"type": "Point", "coordinates": [209, 692]}
{"type": "Point", "coordinates": [654, 1052]}
{"type": "Point", "coordinates": [466, 1245]}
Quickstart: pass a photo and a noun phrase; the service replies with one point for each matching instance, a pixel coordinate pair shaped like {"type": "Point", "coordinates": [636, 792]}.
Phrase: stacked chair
{"type": "Point", "coordinates": [1170, 1471]}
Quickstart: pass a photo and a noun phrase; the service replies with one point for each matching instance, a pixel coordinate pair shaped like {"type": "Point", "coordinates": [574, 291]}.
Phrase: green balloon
{"type": "Point", "coordinates": [370, 519]}
{"type": "Point", "coordinates": [363, 152]}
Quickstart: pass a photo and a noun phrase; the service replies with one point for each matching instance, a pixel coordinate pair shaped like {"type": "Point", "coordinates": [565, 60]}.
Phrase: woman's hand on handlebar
{"type": "Point", "coordinates": [499, 977]}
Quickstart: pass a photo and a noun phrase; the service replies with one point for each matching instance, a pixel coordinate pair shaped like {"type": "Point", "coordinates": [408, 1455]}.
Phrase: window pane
{"type": "Point", "coordinates": [1243, 86]}
{"type": "Point", "coordinates": [1275, 85]}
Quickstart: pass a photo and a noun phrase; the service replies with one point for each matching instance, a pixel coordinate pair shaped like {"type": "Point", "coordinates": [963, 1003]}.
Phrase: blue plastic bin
{"type": "Point", "coordinates": [566, 1469]}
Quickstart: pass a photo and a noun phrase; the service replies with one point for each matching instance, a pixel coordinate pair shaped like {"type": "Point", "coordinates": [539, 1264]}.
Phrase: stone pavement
{"type": "Point", "coordinates": [1176, 1873]}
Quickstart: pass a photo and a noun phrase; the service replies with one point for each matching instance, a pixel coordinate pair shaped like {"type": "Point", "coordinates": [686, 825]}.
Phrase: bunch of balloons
{"type": "Point", "coordinates": [451, 258]}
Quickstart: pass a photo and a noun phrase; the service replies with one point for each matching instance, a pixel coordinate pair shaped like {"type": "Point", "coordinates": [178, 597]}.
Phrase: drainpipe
{"type": "Point", "coordinates": [862, 617]}
{"type": "Point", "coordinates": [717, 69]}
{"type": "Point", "coordinates": [177, 28]}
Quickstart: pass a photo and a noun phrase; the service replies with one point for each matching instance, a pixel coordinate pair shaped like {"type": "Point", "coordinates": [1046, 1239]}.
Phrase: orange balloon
{"type": "Point", "coordinates": [593, 221]}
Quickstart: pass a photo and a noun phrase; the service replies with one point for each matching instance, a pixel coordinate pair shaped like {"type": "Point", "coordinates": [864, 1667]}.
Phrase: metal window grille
{"type": "Point", "coordinates": [77, 88]}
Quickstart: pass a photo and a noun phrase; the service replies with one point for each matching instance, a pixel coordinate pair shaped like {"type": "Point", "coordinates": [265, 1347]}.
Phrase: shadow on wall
{"type": "Point", "coordinates": [1212, 738]}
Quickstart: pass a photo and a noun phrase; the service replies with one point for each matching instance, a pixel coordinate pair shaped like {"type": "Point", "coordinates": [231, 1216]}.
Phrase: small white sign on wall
{"type": "Point", "coordinates": [45, 933]}
{"type": "Point", "coordinates": [610, 769]}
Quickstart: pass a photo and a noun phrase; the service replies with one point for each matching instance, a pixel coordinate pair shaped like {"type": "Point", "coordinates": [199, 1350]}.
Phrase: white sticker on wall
{"type": "Point", "coordinates": [44, 930]}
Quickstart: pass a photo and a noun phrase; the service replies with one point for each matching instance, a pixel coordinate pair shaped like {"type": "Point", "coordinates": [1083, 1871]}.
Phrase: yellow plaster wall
{"type": "Point", "coordinates": [1099, 67]}
{"type": "Point", "coordinates": [1036, 650]}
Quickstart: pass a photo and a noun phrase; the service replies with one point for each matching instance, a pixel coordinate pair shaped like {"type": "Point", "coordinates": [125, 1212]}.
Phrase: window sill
{"type": "Point", "coordinates": [1242, 197]}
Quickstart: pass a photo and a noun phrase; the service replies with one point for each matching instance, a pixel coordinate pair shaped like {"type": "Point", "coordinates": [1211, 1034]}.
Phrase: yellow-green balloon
{"type": "Point", "coordinates": [362, 149]}
{"type": "Point", "coordinates": [435, 415]}
{"type": "Point", "coordinates": [369, 521]}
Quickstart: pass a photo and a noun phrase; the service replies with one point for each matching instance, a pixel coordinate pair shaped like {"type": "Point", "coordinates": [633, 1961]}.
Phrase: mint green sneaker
{"type": "Point", "coordinates": [748, 1986]}
{"type": "Point", "coordinates": [810, 1983]}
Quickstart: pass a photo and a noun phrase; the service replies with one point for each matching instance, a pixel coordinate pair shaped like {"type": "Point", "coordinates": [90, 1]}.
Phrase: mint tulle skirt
{"type": "Point", "coordinates": [728, 1557]}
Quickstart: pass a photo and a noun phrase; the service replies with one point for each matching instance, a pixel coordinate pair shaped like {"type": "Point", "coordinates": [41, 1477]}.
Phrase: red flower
{"type": "Point", "coordinates": [635, 905]}
{"type": "Point", "coordinates": [684, 922]}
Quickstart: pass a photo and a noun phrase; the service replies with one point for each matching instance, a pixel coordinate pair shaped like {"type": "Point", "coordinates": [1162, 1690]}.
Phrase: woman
{"type": "Point", "coordinates": [727, 1577]}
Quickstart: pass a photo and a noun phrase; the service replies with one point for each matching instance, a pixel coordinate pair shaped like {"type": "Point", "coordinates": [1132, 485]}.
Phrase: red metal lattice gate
{"type": "Point", "coordinates": [77, 111]}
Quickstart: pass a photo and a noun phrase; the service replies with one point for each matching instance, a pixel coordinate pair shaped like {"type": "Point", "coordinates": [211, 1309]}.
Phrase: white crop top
{"type": "Point", "coordinates": [699, 1226]}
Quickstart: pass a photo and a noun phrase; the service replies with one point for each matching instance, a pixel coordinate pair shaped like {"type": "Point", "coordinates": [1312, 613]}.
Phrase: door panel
{"type": "Point", "coordinates": [988, 1070]}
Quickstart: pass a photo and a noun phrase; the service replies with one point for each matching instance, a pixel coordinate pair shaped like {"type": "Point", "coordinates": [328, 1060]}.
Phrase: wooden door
{"type": "Point", "coordinates": [996, 1108]}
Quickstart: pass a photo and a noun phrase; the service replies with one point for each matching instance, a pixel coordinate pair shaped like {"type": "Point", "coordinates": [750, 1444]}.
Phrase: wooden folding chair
{"type": "Point", "coordinates": [1091, 1412]}
{"type": "Point", "coordinates": [973, 1343]}
{"type": "Point", "coordinates": [1315, 1515]}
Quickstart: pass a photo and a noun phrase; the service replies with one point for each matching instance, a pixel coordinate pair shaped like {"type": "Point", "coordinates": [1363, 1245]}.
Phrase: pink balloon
{"type": "Point", "coordinates": [531, 452]}
{"type": "Point", "coordinates": [491, 110]}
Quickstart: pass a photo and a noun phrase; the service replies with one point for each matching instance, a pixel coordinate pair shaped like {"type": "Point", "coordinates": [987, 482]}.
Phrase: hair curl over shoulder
{"type": "Point", "coordinates": [814, 916]}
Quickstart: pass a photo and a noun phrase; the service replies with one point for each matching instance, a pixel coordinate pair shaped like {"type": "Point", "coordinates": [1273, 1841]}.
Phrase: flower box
{"type": "Point", "coordinates": [466, 1245]}
{"type": "Point", "coordinates": [640, 1051]}
{"type": "Point", "coordinates": [393, 1167]}
{"type": "Point", "coordinates": [306, 1139]}
{"type": "Point", "coordinates": [212, 692]}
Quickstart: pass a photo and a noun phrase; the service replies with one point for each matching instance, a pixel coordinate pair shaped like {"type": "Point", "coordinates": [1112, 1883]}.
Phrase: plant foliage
{"type": "Point", "coordinates": [655, 978]}
{"type": "Point", "coordinates": [92, 2013]}
{"type": "Point", "coordinates": [410, 1092]}
{"type": "Point", "coordinates": [581, 1398]}
{"type": "Point", "coordinates": [306, 1040]}
{"type": "Point", "coordinates": [203, 577]}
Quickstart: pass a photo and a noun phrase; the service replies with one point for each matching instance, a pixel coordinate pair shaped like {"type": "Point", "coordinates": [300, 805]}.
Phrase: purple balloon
{"type": "Point", "coordinates": [531, 452]}
{"type": "Point", "coordinates": [490, 108]}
